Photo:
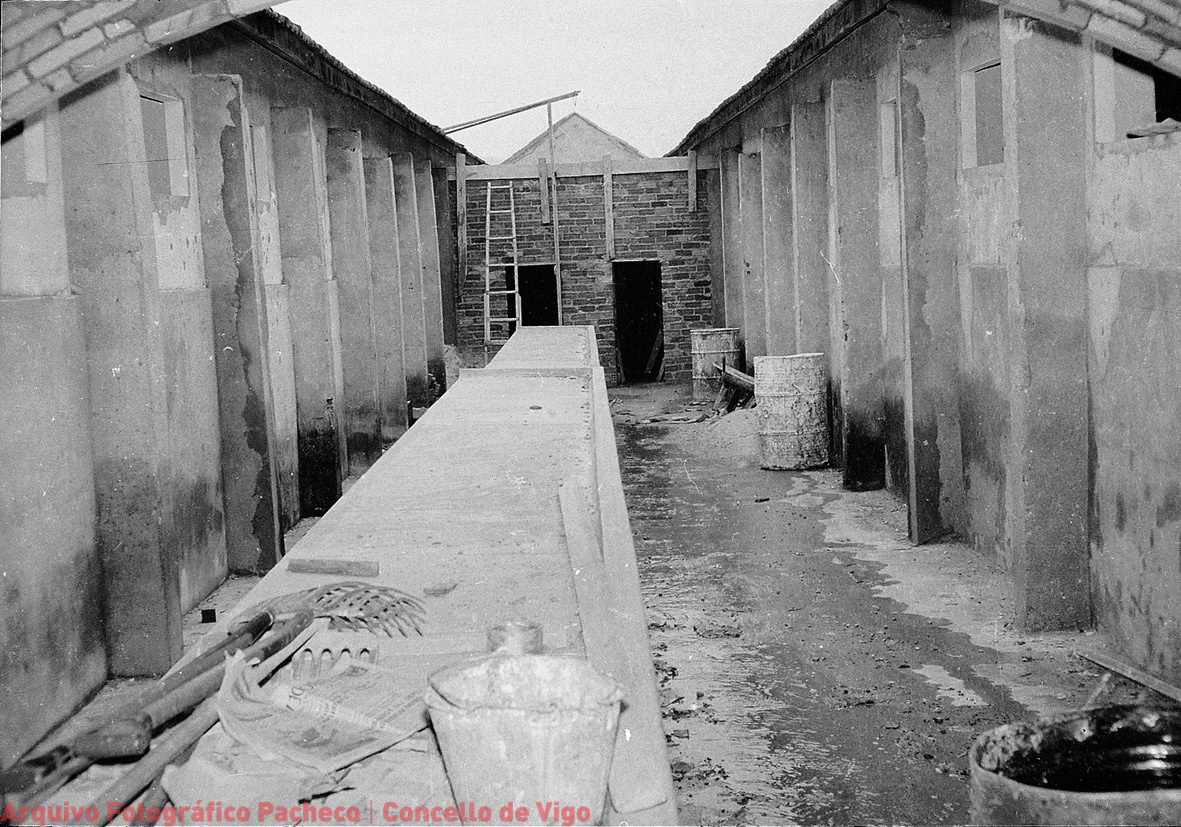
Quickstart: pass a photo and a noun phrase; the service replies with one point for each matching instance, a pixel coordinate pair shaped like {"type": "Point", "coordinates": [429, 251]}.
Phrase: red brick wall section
{"type": "Point", "coordinates": [652, 221]}
{"type": "Point", "coordinates": [51, 48]}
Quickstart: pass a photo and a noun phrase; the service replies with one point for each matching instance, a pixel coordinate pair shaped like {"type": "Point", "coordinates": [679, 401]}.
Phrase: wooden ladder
{"type": "Point", "coordinates": [489, 291]}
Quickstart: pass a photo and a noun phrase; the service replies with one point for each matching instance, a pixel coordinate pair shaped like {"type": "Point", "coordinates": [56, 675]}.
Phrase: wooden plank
{"type": "Point", "coordinates": [344, 568]}
{"type": "Point", "coordinates": [461, 214]}
{"type": "Point", "coordinates": [693, 180]}
{"type": "Point", "coordinates": [609, 206]}
{"type": "Point", "coordinates": [1132, 673]}
{"type": "Point", "coordinates": [543, 185]}
{"type": "Point", "coordinates": [619, 558]}
{"type": "Point", "coordinates": [737, 378]}
{"type": "Point", "coordinates": [553, 180]}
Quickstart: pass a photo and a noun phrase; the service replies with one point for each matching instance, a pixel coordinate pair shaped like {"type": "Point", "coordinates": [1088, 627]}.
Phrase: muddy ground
{"type": "Point", "coordinates": [814, 667]}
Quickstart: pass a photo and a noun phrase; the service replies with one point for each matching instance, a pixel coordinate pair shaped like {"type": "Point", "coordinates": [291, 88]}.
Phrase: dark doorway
{"type": "Point", "coordinates": [539, 294]}
{"type": "Point", "coordinates": [639, 320]}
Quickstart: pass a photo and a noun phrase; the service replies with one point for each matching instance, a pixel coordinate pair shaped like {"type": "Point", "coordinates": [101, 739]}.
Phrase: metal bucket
{"type": "Point", "coordinates": [793, 411]}
{"type": "Point", "coordinates": [718, 344]}
{"type": "Point", "coordinates": [1114, 765]}
{"type": "Point", "coordinates": [527, 729]}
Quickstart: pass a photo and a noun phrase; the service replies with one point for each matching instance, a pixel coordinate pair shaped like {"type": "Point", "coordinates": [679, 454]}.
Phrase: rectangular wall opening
{"type": "Point", "coordinates": [539, 294]}
{"type": "Point", "coordinates": [639, 320]}
{"type": "Point", "coordinates": [1133, 98]}
{"type": "Point", "coordinates": [982, 128]}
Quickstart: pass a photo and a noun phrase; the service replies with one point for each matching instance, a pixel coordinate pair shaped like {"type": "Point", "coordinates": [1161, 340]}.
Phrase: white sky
{"type": "Point", "coordinates": [648, 69]}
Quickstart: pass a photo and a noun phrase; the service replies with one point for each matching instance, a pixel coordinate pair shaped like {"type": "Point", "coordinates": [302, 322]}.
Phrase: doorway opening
{"type": "Point", "coordinates": [539, 294]}
{"type": "Point", "coordinates": [639, 321]}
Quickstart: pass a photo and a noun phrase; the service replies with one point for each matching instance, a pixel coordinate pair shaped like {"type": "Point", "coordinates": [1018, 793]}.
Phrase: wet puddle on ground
{"type": "Point", "coordinates": [765, 724]}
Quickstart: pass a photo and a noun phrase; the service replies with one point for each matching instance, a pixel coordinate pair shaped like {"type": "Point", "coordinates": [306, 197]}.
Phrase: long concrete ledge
{"type": "Point", "coordinates": [508, 489]}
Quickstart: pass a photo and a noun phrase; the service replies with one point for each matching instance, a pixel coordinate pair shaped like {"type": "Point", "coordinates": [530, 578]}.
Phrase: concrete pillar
{"type": "Point", "coordinates": [387, 296]}
{"type": "Point", "coordinates": [857, 298]}
{"type": "Point", "coordinates": [732, 262]}
{"type": "Point", "coordinates": [1045, 71]}
{"type": "Point", "coordinates": [414, 337]}
{"type": "Point", "coordinates": [307, 269]}
{"type": "Point", "coordinates": [229, 239]}
{"type": "Point", "coordinates": [112, 254]}
{"type": "Point", "coordinates": [810, 268]}
{"type": "Point", "coordinates": [448, 257]}
{"type": "Point", "coordinates": [809, 216]}
{"type": "Point", "coordinates": [779, 281]}
{"type": "Point", "coordinates": [750, 208]}
{"type": "Point", "coordinates": [52, 611]}
{"type": "Point", "coordinates": [432, 279]}
{"type": "Point", "coordinates": [930, 160]}
{"type": "Point", "coordinates": [349, 223]}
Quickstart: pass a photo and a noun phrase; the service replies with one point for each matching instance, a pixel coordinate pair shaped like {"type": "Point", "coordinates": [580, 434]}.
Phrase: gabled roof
{"type": "Point", "coordinates": [576, 139]}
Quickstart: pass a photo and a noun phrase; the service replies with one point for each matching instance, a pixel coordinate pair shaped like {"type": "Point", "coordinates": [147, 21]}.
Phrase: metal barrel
{"type": "Point", "coordinates": [716, 344]}
{"type": "Point", "coordinates": [792, 397]}
{"type": "Point", "coordinates": [1111, 766]}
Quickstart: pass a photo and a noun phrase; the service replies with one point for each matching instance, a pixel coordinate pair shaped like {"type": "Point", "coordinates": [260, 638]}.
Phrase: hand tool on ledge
{"type": "Point", "coordinates": [127, 732]}
{"type": "Point", "coordinates": [349, 605]}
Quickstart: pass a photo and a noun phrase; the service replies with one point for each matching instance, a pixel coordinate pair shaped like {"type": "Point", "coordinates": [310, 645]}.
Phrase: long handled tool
{"type": "Point", "coordinates": [351, 606]}
{"type": "Point", "coordinates": [177, 740]}
{"type": "Point", "coordinates": [128, 731]}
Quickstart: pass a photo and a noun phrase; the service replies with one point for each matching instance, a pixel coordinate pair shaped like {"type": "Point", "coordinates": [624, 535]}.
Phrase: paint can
{"type": "Point", "coordinates": [1112, 765]}
{"type": "Point", "coordinates": [793, 411]}
{"type": "Point", "coordinates": [527, 729]}
{"type": "Point", "coordinates": [709, 346]}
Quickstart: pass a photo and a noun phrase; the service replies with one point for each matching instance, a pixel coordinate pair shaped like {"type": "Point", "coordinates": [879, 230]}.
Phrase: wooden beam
{"type": "Point", "coordinates": [543, 185]}
{"type": "Point", "coordinates": [639, 166]}
{"type": "Point", "coordinates": [1132, 673]}
{"type": "Point", "coordinates": [553, 183]}
{"type": "Point", "coordinates": [609, 206]}
{"type": "Point", "coordinates": [693, 180]}
{"type": "Point", "coordinates": [461, 214]}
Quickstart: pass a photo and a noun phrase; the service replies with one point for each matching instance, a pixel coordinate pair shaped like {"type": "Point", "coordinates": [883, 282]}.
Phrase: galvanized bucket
{"type": "Point", "coordinates": [793, 411]}
{"type": "Point", "coordinates": [720, 345]}
{"type": "Point", "coordinates": [527, 729]}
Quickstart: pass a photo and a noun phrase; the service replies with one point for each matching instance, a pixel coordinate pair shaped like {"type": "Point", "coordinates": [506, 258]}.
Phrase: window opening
{"type": "Point", "coordinates": [23, 167]}
{"type": "Point", "coordinates": [164, 146]}
{"type": "Point", "coordinates": [1140, 99]}
{"type": "Point", "coordinates": [989, 115]}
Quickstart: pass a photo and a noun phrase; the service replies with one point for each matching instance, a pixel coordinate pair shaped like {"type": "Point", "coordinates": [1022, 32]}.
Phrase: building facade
{"type": "Point", "coordinates": [971, 210]}
{"type": "Point", "coordinates": [622, 246]}
{"type": "Point", "coordinates": [222, 271]}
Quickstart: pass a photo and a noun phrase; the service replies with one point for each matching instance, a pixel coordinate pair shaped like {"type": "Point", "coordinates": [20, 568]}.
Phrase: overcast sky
{"type": "Point", "coordinates": [648, 69]}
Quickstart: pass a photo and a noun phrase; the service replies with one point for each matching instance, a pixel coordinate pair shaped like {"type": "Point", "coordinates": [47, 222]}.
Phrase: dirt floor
{"type": "Point", "coordinates": [816, 668]}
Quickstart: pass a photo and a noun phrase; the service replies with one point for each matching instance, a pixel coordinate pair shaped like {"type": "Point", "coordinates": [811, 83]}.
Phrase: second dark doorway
{"type": "Point", "coordinates": [539, 294]}
{"type": "Point", "coordinates": [639, 320]}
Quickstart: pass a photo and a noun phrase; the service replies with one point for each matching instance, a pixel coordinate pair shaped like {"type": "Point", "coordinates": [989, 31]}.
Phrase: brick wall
{"type": "Point", "coordinates": [652, 221]}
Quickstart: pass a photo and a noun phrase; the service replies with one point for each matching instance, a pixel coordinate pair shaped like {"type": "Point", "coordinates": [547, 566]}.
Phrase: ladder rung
{"type": "Point", "coordinates": [492, 186]}
{"type": "Point", "coordinates": [501, 292]}
{"type": "Point", "coordinates": [500, 237]}
{"type": "Point", "coordinates": [502, 319]}
{"type": "Point", "coordinates": [500, 212]}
